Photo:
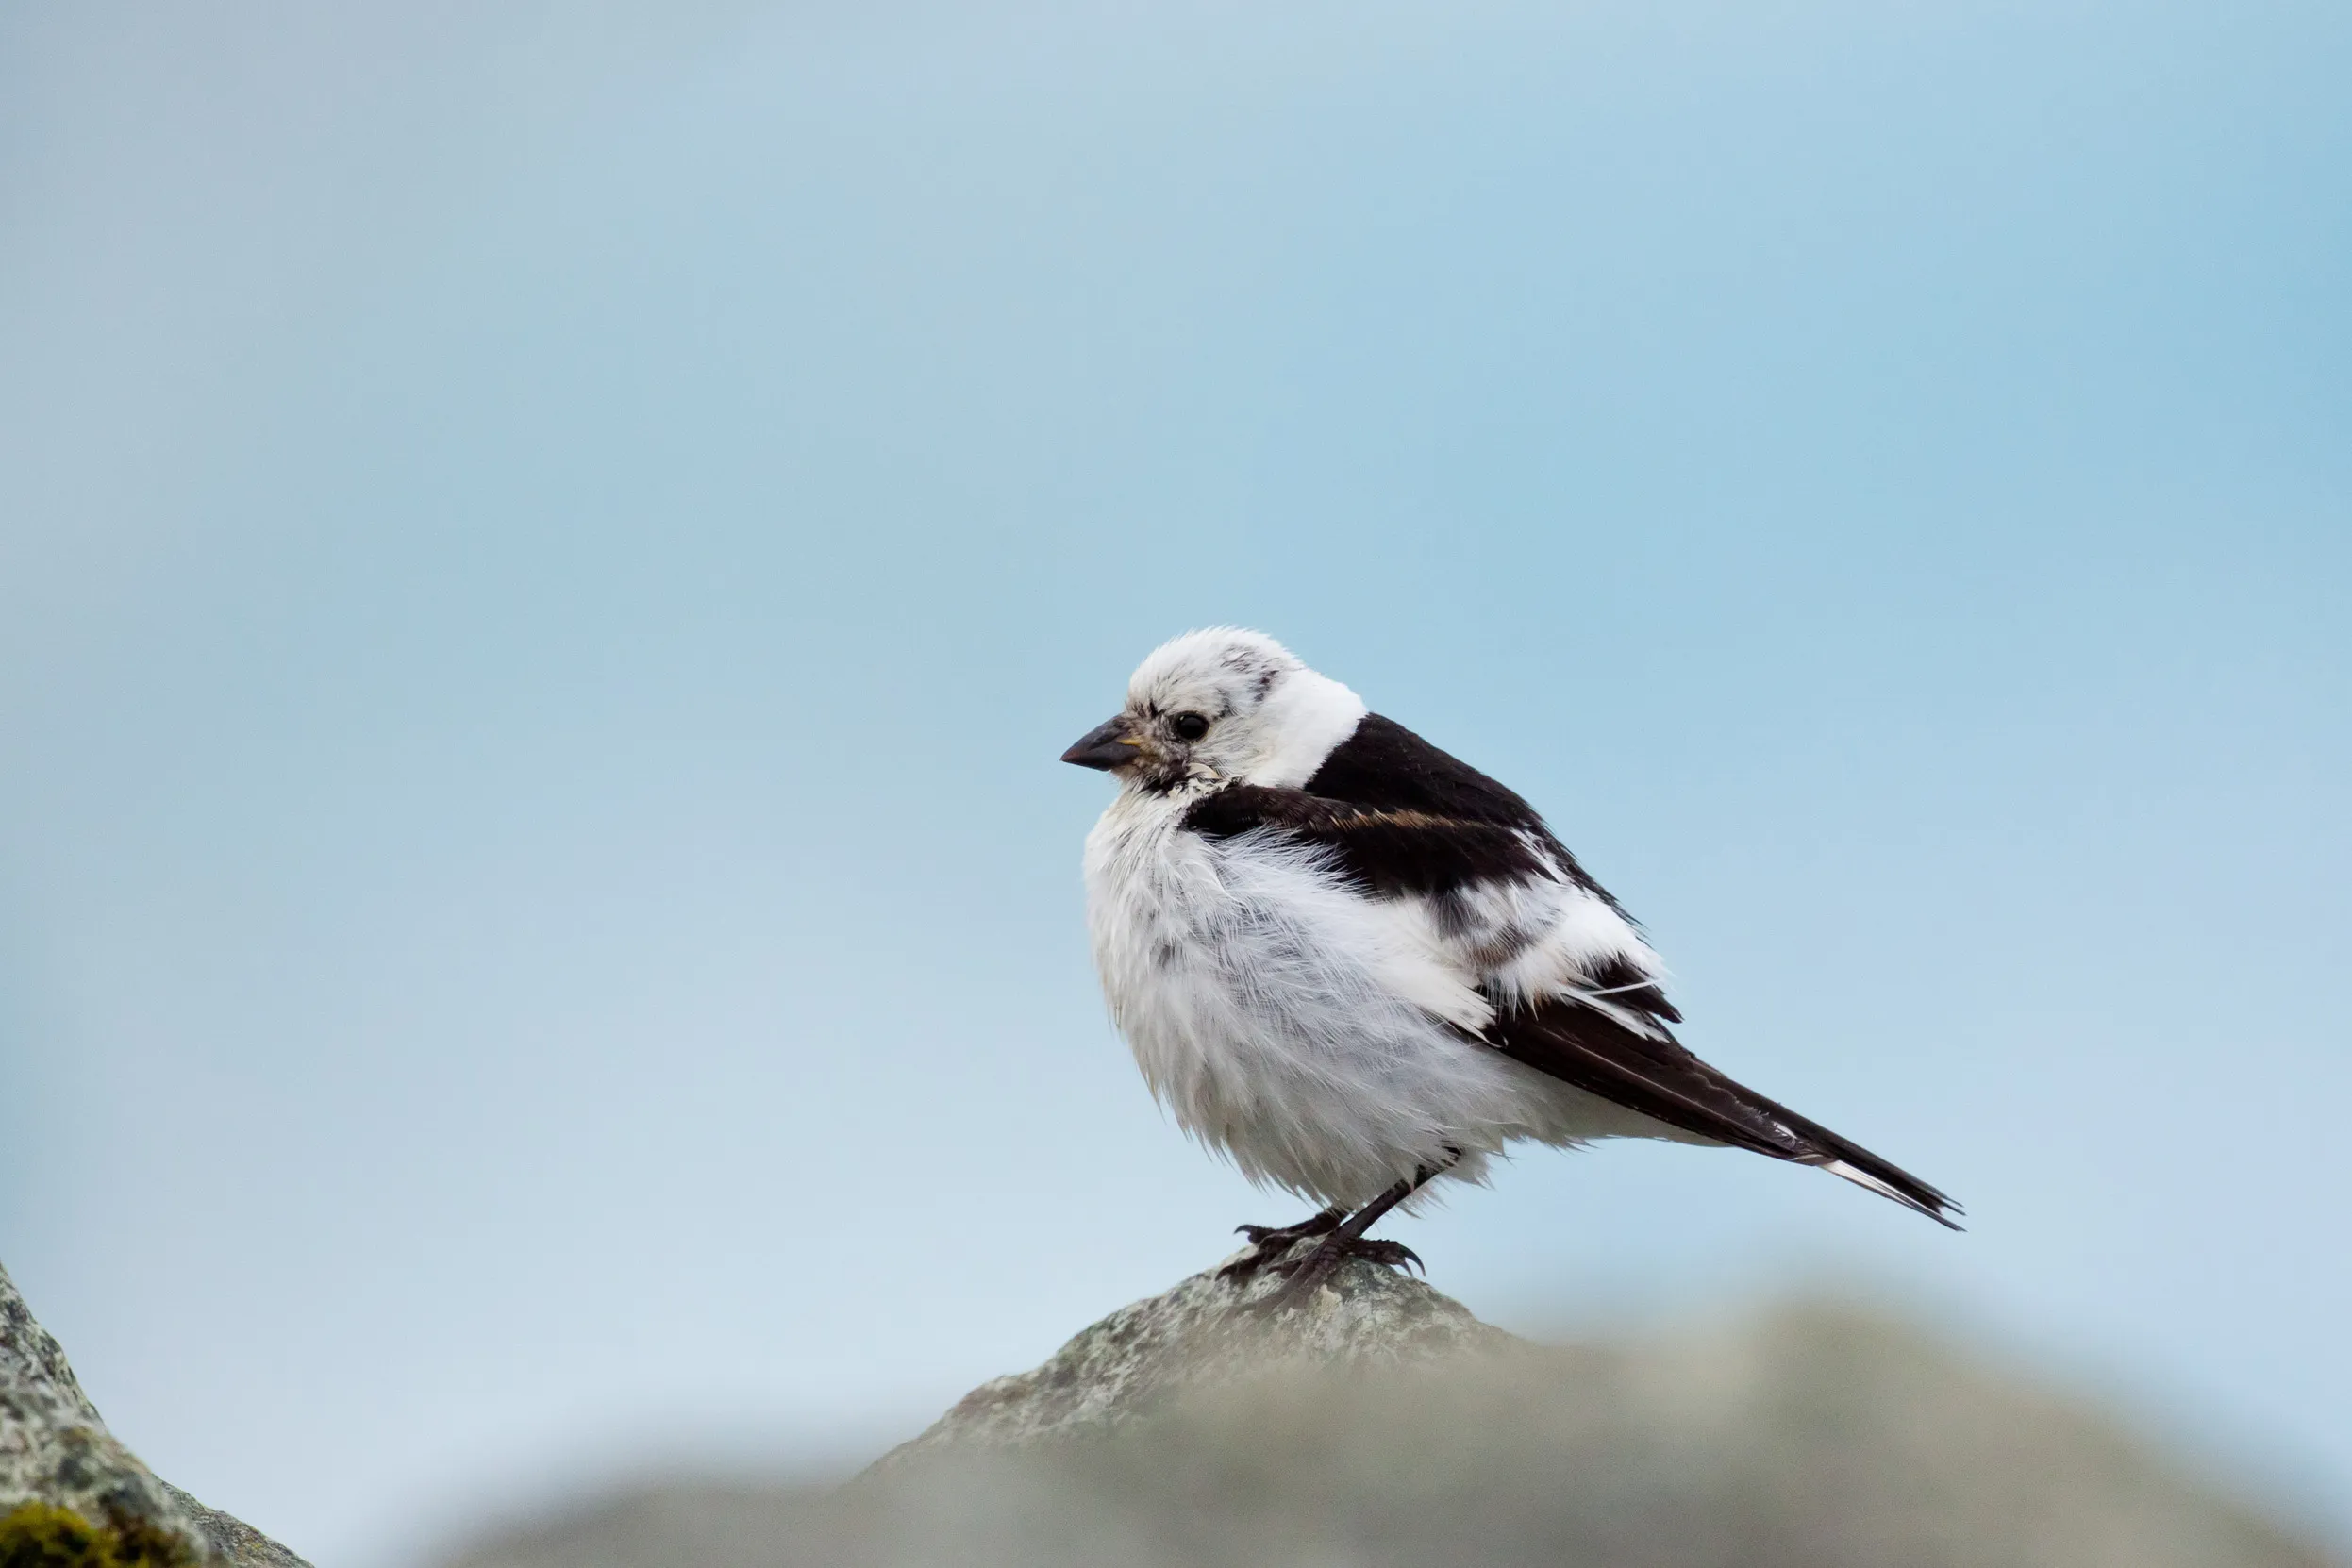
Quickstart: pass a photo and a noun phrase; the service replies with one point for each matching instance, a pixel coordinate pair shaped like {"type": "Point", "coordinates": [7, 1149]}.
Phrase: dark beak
{"type": "Point", "coordinates": [1107, 745]}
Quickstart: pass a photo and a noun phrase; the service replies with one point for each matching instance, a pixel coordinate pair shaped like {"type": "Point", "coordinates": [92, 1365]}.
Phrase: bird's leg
{"type": "Point", "coordinates": [1344, 1241]}
{"type": "Point", "coordinates": [1268, 1242]}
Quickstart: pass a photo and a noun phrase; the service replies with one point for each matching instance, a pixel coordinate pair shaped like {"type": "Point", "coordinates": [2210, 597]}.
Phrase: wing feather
{"type": "Point", "coordinates": [1401, 818]}
{"type": "Point", "coordinates": [1384, 852]}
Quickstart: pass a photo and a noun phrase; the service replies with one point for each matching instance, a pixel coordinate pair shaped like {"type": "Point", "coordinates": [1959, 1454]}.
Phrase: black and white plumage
{"type": "Point", "coordinates": [1353, 963]}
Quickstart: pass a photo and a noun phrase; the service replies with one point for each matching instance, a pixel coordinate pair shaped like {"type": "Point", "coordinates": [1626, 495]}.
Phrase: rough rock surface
{"type": "Point", "coordinates": [1189, 1338]}
{"type": "Point", "coordinates": [56, 1454]}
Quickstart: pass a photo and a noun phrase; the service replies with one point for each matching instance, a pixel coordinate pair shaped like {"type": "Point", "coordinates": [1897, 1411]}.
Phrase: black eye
{"type": "Point", "coordinates": [1188, 727]}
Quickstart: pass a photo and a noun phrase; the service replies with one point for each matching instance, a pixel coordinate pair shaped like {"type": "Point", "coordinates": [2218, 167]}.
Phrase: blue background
{"type": "Point", "coordinates": [547, 556]}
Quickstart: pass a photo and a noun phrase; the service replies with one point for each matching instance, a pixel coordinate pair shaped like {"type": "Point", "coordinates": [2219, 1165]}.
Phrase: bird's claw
{"type": "Point", "coordinates": [1269, 1243]}
{"type": "Point", "coordinates": [1371, 1249]}
{"type": "Point", "coordinates": [1395, 1255]}
{"type": "Point", "coordinates": [1314, 1225]}
{"type": "Point", "coordinates": [1303, 1276]}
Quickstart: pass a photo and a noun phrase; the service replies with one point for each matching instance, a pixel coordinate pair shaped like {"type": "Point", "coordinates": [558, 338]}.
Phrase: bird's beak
{"type": "Point", "coordinates": [1108, 745]}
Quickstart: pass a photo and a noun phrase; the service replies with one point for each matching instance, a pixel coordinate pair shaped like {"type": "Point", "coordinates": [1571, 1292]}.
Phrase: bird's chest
{"type": "Point", "coordinates": [1227, 960]}
{"type": "Point", "coordinates": [1312, 1033]}
{"type": "Point", "coordinates": [1171, 930]}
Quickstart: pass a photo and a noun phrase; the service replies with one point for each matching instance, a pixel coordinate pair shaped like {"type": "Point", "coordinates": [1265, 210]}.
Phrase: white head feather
{"type": "Point", "coordinates": [1271, 720]}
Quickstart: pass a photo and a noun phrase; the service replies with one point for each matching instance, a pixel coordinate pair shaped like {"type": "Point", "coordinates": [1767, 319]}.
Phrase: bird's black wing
{"type": "Point", "coordinates": [1401, 818]}
{"type": "Point", "coordinates": [1384, 766]}
{"type": "Point", "coordinates": [1385, 852]}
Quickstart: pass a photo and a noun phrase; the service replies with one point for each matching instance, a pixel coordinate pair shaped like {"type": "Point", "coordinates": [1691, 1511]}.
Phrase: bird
{"type": "Point", "coordinates": [1356, 966]}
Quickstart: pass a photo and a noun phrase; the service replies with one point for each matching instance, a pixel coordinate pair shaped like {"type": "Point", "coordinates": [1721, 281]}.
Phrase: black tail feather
{"type": "Point", "coordinates": [1650, 1071]}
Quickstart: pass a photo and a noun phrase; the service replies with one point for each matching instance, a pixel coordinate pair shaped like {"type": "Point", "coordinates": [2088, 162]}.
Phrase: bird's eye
{"type": "Point", "coordinates": [1188, 727]}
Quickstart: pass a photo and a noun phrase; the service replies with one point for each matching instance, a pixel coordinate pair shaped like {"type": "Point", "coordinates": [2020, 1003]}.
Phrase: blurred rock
{"type": "Point", "coordinates": [1133, 1361]}
{"type": "Point", "coordinates": [71, 1496]}
{"type": "Point", "coordinates": [1386, 1427]}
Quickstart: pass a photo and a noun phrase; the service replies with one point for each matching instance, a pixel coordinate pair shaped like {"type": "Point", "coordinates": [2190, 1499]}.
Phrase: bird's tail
{"type": "Point", "coordinates": [1863, 1168]}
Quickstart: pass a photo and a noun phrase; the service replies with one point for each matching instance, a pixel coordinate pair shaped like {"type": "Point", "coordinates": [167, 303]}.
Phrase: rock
{"type": "Point", "coordinates": [1191, 1338]}
{"type": "Point", "coordinates": [71, 1496]}
{"type": "Point", "coordinates": [1384, 1426]}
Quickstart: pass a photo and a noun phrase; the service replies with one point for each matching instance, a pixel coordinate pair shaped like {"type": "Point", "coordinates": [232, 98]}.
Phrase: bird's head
{"type": "Point", "coordinates": [1221, 705]}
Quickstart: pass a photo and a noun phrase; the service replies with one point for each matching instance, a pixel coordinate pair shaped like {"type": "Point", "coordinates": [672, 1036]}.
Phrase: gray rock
{"type": "Point", "coordinates": [63, 1478]}
{"type": "Point", "coordinates": [1134, 1361]}
{"type": "Point", "coordinates": [1383, 1427]}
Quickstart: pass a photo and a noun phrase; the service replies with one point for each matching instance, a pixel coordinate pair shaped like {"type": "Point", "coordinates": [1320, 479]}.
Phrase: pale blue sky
{"type": "Point", "coordinates": [544, 564]}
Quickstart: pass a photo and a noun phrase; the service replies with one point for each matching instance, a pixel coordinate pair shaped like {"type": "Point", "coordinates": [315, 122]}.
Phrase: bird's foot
{"type": "Point", "coordinates": [1304, 1276]}
{"type": "Point", "coordinates": [1268, 1242]}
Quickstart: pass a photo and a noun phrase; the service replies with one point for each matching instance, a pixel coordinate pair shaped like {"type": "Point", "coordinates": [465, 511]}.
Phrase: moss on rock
{"type": "Point", "coordinates": [36, 1534]}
